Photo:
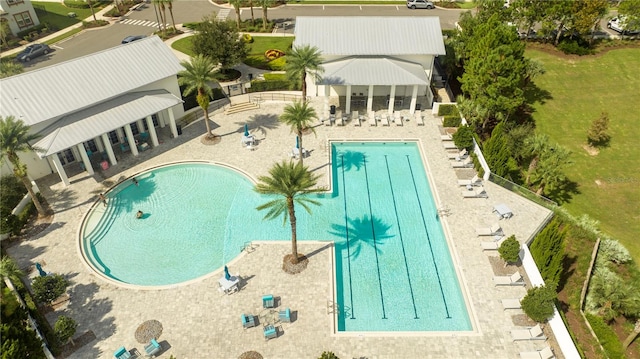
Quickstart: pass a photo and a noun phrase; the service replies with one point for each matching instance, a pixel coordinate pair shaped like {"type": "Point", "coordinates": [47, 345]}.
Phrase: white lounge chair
{"type": "Point", "coordinates": [397, 118]}
{"type": "Point", "coordinates": [512, 280]}
{"type": "Point", "coordinates": [534, 333]}
{"type": "Point", "coordinates": [511, 303]}
{"type": "Point", "coordinates": [476, 192]}
{"type": "Point", "coordinates": [372, 118]}
{"type": "Point", "coordinates": [384, 119]}
{"type": "Point", "coordinates": [340, 119]}
{"type": "Point", "coordinates": [418, 116]}
{"type": "Point", "coordinates": [355, 118]}
{"type": "Point", "coordinates": [492, 246]}
{"type": "Point", "coordinates": [446, 137]}
{"type": "Point", "coordinates": [458, 156]}
{"type": "Point", "coordinates": [489, 231]}
{"type": "Point", "coordinates": [545, 353]}
{"type": "Point", "coordinates": [462, 164]}
{"type": "Point", "coordinates": [470, 182]}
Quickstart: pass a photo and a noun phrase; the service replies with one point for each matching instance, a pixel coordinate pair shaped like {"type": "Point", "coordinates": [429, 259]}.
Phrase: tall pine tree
{"type": "Point", "coordinates": [547, 250]}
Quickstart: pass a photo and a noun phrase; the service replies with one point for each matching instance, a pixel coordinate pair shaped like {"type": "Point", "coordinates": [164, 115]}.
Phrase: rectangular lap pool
{"type": "Point", "coordinates": [394, 270]}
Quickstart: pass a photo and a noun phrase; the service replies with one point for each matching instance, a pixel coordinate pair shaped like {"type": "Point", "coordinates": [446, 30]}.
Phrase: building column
{"type": "Point", "coordinates": [99, 145]}
{"type": "Point", "coordinates": [414, 98]}
{"type": "Point", "coordinates": [392, 99]}
{"type": "Point", "coordinates": [347, 105]}
{"type": "Point", "coordinates": [172, 123]}
{"type": "Point", "coordinates": [370, 99]}
{"type": "Point", "coordinates": [140, 125]}
{"type": "Point", "coordinates": [107, 146]}
{"type": "Point", "coordinates": [152, 131]}
{"type": "Point", "coordinates": [130, 139]}
{"type": "Point", "coordinates": [327, 93]}
{"type": "Point", "coordinates": [85, 158]}
{"type": "Point", "coordinates": [58, 165]}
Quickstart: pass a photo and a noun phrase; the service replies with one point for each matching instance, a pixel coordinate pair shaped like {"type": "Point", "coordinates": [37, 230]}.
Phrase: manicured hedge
{"type": "Point", "coordinates": [448, 109]}
{"type": "Point", "coordinates": [606, 336]}
{"type": "Point", "coordinates": [451, 121]}
{"type": "Point", "coordinates": [277, 85]}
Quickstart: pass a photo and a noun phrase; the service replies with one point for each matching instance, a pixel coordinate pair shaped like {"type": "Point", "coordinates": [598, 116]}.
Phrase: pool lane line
{"type": "Point", "coordinates": [346, 228]}
{"type": "Point", "coordinates": [373, 233]}
{"type": "Point", "coordinates": [404, 254]}
{"type": "Point", "coordinates": [415, 188]}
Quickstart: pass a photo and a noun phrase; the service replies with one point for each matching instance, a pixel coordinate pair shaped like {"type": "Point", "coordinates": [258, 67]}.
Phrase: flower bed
{"type": "Point", "coordinates": [273, 54]}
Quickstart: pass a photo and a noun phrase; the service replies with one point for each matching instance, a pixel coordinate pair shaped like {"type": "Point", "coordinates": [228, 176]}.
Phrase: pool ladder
{"type": "Point", "coordinates": [332, 307]}
{"type": "Point", "coordinates": [248, 247]}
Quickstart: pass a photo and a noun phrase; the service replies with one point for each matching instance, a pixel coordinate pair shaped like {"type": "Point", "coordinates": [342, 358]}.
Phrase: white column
{"type": "Point", "coordinates": [98, 144]}
{"type": "Point", "coordinates": [347, 105]}
{"type": "Point", "coordinates": [414, 98]}
{"type": "Point", "coordinates": [392, 99]}
{"type": "Point", "coordinates": [172, 122]}
{"type": "Point", "coordinates": [109, 149]}
{"type": "Point", "coordinates": [58, 165]}
{"type": "Point", "coordinates": [140, 125]}
{"type": "Point", "coordinates": [120, 133]}
{"type": "Point", "coordinates": [152, 131]}
{"type": "Point", "coordinates": [130, 139]}
{"type": "Point", "coordinates": [370, 99]}
{"type": "Point", "coordinates": [85, 158]}
{"type": "Point", "coordinates": [327, 93]}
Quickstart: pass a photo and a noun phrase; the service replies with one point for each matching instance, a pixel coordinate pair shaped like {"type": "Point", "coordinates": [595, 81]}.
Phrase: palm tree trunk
{"type": "Point", "coordinates": [238, 17]}
{"type": "Point", "coordinates": [532, 167]}
{"type": "Point", "coordinates": [264, 18]}
{"type": "Point", "coordinates": [300, 153]}
{"type": "Point", "coordinates": [294, 239]}
{"type": "Point", "coordinates": [173, 21]}
{"type": "Point", "coordinates": [90, 2]}
{"type": "Point", "coordinates": [32, 194]}
{"type": "Point", "coordinates": [304, 86]}
{"type": "Point", "coordinates": [164, 17]}
{"type": "Point", "coordinates": [557, 39]}
{"type": "Point", "coordinates": [253, 19]}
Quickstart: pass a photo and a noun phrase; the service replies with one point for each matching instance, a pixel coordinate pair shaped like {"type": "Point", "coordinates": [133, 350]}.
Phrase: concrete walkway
{"type": "Point", "coordinates": [200, 322]}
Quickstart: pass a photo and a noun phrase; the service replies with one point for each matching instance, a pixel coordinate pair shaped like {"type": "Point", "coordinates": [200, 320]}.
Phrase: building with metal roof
{"type": "Point", "coordinates": [367, 58]}
{"type": "Point", "coordinates": [95, 103]}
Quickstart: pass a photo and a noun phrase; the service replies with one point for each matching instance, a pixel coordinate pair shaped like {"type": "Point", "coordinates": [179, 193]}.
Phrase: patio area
{"type": "Point", "coordinates": [199, 321]}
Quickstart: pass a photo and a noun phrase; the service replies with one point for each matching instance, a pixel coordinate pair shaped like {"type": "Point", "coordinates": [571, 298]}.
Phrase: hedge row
{"type": "Point", "coordinates": [451, 121]}
{"type": "Point", "coordinates": [276, 85]}
{"type": "Point", "coordinates": [606, 336]}
{"type": "Point", "coordinates": [448, 110]}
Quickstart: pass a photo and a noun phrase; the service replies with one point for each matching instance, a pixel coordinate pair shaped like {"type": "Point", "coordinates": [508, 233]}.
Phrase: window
{"type": "Point", "coordinates": [66, 156]}
{"type": "Point", "coordinates": [23, 19]}
{"type": "Point", "coordinates": [14, 2]}
{"type": "Point", "coordinates": [113, 137]}
{"type": "Point", "coordinates": [154, 118]}
{"type": "Point", "coordinates": [91, 146]}
{"type": "Point", "coordinates": [134, 128]}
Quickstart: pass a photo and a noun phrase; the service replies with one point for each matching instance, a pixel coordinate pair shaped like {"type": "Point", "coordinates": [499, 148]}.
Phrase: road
{"type": "Point", "coordinates": [144, 22]}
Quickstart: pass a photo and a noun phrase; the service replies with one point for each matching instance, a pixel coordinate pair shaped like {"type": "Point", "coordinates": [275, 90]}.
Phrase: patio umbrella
{"type": "Point", "coordinates": [246, 130]}
{"type": "Point", "coordinates": [297, 142]}
{"type": "Point", "coordinates": [227, 276]}
{"type": "Point", "coordinates": [151, 329]}
{"type": "Point", "coordinates": [40, 270]}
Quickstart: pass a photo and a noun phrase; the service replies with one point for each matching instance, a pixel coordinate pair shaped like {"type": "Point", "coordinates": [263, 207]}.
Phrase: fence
{"type": "Point", "coordinates": [274, 96]}
{"type": "Point", "coordinates": [524, 192]}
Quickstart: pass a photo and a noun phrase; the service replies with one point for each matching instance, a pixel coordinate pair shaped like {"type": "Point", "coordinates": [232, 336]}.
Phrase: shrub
{"type": "Point", "coordinates": [49, 288]}
{"type": "Point", "coordinates": [448, 109]}
{"type": "Point", "coordinates": [597, 134]}
{"type": "Point", "coordinates": [539, 303]}
{"type": "Point", "coordinates": [65, 328]}
{"type": "Point", "coordinates": [510, 250]}
{"type": "Point", "coordinates": [573, 47]}
{"type": "Point", "coordinates": [451, 121]}
{"type": "Point", "coordinates": [463, 138]}
{"type": "Point", "coordinates": [613, 251]}
{"type": "Point", "coordinates": [11, 193]}
{"type": "Point", "coordinates": [76, 4]}
{"type": "Point", "coordinates": [278, 85]}
{"type": "Point", "coordinates": [328, 355]}
{"type": "Point", "coordinates": [273, 54]}
{"type": "Point", "coordinates": [547, 251]}
{"type": "Point", "coordinates": [191, 25]}
{"type": "Point", "coordinates": [606, 336]}
{"type": "Point", "coordinates": [278, 64]}
{"type": "Point", "coordinates": [247, 38]}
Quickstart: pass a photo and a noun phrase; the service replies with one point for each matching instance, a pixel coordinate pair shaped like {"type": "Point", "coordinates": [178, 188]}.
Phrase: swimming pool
{"type": "Point", "coordinates": [393, 267]}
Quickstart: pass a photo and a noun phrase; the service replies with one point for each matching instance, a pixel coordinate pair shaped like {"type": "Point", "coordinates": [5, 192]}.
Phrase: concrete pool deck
{"type": "Point", "coordinates": [201, 322]}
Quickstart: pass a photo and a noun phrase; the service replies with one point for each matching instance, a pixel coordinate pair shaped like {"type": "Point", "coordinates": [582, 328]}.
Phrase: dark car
{"type": "Point", "coordinates": [33, 51]}
{"type": "Point", "coordinates": [132, 38]}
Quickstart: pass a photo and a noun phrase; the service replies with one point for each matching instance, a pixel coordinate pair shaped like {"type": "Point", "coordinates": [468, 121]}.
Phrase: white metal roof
{"type": "Point", "coordinates": [60, 89]}
{"type": "Point", "coordinates": [373, 71]}
{"type": "Point", "coordinates": [105, 117]}
{"type": "Point", "coordinates": [371, 35]}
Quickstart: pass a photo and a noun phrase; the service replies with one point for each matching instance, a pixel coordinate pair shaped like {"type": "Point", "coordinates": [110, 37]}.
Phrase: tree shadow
{"type": "Point", "coordinates": [350, 160]}
{"type": "Point", "coordinates": [564, 192]}
{"type": "Point", "coordinates": [361, 232]}
{"type": "Point", "coordinates": [534, 94]}
{"type": "Point", "coordinates": [568, 268]}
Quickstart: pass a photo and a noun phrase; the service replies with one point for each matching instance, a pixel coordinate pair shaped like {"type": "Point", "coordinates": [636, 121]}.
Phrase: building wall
{"type": "Point", "coordinates": [15, 7]}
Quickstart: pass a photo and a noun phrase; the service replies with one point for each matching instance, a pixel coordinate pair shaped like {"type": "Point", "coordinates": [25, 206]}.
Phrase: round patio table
{"type": "Point", "coordinates": [151, 329]}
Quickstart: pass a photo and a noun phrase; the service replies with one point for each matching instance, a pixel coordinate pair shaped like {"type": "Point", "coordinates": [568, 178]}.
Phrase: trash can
{"type": "Point", "coordinates": [332, 109]}
{"type": "Point", "coordinates": [417, 107]}
{"type": "Point", "coordinates": [250, 77]}
{"type": "Point", "coordinates": [179, 130]}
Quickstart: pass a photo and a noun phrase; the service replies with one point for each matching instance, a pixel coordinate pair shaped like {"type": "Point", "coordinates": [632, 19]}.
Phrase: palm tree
{"type": "Point", "coordinates": [253, 19]}
{"type": "Point", "coordinates": [170, 6]}
{"type": "Point", "coordinates": [236, 5]}
{"type": "Point", "coordinates": [159, 5]}
{"type": "Point", "coordinates": [302, 61]}
{"type": "Point", "coordinates": [265, 5]}
{"type": "Point", "coordinates": [299, 116]}
{"type": "Point", "coordinates": [9, 269]}
{"type": "Point", "coordinates": [292, 183]}
{"type": "Point", "coordinates": [535, 145]}
{"type": "Point", "coordinates": [549, 171]}
{"type": "Point", "coordinates": [15, 138]}
{"type": "Point", "coordinates": [197, 75]}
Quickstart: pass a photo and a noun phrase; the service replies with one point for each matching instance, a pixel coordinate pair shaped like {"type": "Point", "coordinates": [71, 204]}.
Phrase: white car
{"type": "Point", "coordinates": [620, 25]}
{"type": "Point", "coordinates": [420, 4]}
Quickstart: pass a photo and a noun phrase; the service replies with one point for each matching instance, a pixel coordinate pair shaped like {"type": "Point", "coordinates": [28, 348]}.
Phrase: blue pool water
{"type": "Point", "coordinates": [393, 267]}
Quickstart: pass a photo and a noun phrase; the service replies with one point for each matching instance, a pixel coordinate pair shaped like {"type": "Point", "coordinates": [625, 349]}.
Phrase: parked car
{"type": "Point", "coordinates": [132, 38]}
{"type": "Point", "coordinates": [420, 4]}
{"type": "Point", "coordinates": [32, 51]}
{"type": "Point", "coordinates": [531, 35]}
{"type": "Point", "coordinates": [619, 24]}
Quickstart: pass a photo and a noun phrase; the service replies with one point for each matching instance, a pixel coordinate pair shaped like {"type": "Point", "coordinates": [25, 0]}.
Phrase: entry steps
{"type": "Point", "coordinates": [240, 107]}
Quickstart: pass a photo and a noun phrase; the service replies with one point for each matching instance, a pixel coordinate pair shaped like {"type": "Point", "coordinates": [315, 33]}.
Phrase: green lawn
{"type": "Point", "coordinates": [608, 183]}
{"type": "Point", "coordinates": [57, 14]}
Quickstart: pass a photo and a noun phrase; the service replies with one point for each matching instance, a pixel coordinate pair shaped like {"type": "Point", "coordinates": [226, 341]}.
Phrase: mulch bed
{"type": "Point", "coordinates": [78, 343]}
{"type": "Point", "coordinates": [250, 355]}
{"type": "Point", "coordinates": [209, 140]}
{"type": "Point", "coordinates": [296, 268]}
